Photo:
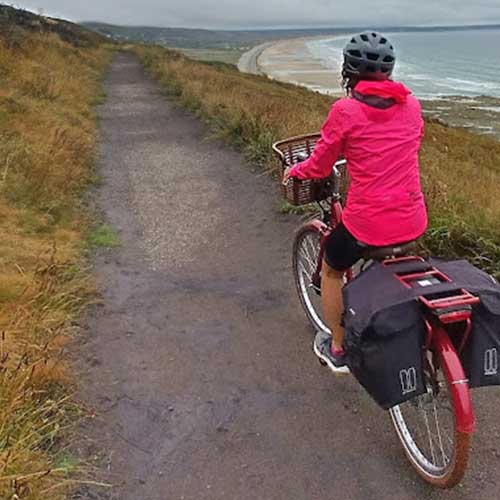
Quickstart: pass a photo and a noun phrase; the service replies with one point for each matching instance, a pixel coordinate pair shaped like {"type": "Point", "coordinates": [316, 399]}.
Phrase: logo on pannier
{"type": "Point", "coordinates": [408, 379]}
{"type": "Point", "coordinates": [491, 361]}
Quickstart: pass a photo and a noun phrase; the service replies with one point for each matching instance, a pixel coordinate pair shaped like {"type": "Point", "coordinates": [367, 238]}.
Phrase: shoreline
{"type": "Point", "coordinates": [249, 61]}
{"type": "Point", "coordinates": [291, 61]}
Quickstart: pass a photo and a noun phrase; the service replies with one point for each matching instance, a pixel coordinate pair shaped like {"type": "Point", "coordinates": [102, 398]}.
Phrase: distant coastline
{"type": "Point", "coordinates": [243, 38]}
{"type": "Point", "coordinates": [291, 61]}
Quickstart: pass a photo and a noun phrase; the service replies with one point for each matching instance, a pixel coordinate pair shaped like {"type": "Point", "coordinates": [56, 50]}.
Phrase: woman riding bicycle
{"type": "Point", "coordinates": [378, 129]}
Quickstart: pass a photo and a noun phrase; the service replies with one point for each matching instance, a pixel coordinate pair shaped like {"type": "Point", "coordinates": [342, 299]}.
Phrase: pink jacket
{"type": "Point", "coordinates": [385, 204]}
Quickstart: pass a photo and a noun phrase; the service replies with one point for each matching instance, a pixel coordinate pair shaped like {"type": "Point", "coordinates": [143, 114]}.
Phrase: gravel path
{"type": "Point", "coordinates": [198, 362]}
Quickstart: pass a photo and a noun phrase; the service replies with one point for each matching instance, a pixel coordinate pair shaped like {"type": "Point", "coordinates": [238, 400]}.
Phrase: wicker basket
{"type": "Point", "coordinates": [300, 192]}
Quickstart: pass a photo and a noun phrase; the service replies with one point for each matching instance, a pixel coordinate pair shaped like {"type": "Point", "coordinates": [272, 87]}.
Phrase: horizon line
{"type": "Point", "coordinates": [496, 24]}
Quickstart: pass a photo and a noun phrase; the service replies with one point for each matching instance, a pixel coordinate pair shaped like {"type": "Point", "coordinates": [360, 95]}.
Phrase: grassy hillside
{"type": "Point", "coordinates": [48, 84]}
{"type": "Point", "coordinates": [460, 170]}
{"type": "Point", "coordinates": [228, 56]}
{"type": "Point", "coordinates": [20, 22]}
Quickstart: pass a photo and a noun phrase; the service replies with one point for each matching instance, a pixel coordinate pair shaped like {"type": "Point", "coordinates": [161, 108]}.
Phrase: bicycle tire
{"type": "Point", "coordinates": [453, 472]}
{"type": "Point", "coordinates": [310, 236]}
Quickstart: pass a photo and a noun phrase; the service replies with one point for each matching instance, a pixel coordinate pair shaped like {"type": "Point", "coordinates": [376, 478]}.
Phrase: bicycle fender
{"type": "Point", "coordinates": [459, 385]}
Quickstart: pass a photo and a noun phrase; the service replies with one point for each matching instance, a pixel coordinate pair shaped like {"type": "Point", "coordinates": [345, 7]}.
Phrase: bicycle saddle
{"type": "Point", "coordinates": [388, 252]}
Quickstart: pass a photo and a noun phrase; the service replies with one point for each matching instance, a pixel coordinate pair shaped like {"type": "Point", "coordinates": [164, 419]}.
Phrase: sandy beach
{"type": "Point", "coordinates": [291, 61]}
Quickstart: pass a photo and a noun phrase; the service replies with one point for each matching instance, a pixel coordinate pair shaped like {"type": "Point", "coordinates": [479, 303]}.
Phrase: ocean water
{"type": "Point", "coordinates": [436, 65]}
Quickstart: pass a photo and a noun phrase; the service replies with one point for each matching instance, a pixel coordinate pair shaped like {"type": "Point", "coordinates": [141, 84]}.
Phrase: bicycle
{"type": "Point", "coordinates": [435, 428]}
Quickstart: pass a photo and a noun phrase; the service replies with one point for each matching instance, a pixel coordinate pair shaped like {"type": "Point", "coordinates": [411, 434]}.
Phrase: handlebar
{"type": "Point", "coordinates": [335, 176]}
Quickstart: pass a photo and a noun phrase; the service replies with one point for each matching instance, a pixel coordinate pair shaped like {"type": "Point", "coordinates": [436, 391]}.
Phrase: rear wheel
{"type": "Point", "coordinates": [306, 250]}
{"type": "Point", "coordinates": [426, 426]}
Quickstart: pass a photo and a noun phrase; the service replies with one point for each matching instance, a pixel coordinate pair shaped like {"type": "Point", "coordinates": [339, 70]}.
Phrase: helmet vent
{"type": "Point", "coordinates": [371, 56]}
{"type": "Point", "coordinates": [388, 59]}
{"type": "Point", "coordinates": [354, 53]}
{"type": "Point", "coordinates": [383, 41]}
{"type": "Point", "coordinates": [374, 35]}
{"type": "Point", "coordinates": [364, 38]}
{"type": "Point", "coordinates": [353, 40]}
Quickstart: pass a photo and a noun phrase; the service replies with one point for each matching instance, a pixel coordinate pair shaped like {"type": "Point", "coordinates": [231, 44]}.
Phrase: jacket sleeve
{"type": "Point", "coordinates": [327, 151]}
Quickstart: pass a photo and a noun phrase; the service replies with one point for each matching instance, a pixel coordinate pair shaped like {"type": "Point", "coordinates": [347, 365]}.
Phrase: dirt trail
{"type": "Point", "coordinates": [199, 360]}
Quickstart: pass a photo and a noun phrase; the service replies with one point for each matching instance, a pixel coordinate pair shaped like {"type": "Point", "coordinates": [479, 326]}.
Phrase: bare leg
{"type": "Point", "coordinates": [333, 303]}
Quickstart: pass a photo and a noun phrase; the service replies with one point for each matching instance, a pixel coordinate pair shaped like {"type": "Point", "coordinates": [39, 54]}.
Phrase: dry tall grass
{"type": "Point", "coordinates": [460, 170]}
{"type": "Point", "coordinates": [47, 149]}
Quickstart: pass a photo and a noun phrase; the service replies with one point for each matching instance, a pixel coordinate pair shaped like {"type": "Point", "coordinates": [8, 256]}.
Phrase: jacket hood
{"type": "Point", "coordinates": [386, 89]}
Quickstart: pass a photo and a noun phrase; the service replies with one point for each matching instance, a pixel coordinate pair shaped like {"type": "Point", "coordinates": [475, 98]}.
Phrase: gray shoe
{"type": "Point", "coordinates": [323, 349]}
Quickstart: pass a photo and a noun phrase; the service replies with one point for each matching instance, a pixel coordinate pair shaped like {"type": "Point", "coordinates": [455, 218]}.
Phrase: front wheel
{"type": "Point", "coordinates": [427, 428]}
{"type": "Point", "coordinates": [306, 254]}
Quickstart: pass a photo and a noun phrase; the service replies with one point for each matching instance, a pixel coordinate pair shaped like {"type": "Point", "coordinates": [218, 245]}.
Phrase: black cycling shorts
{"type": "Point", "coordinates": [342, 249]}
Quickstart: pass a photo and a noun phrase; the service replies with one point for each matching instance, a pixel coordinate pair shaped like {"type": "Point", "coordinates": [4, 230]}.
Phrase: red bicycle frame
{"type": "Point", "coordinates": [452, 309]}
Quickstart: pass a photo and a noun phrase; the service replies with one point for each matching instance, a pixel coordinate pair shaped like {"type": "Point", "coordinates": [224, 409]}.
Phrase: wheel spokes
{"type": "Point", "coordinates": [309, 261]}
{"type": "Point", "coordinates": [426, 425]}
{"type": "Point", "coordinates": [429, 434]}
{"type": "Point", "coordinates": [440, 440]}
{"type": "Point", "coordinates": [306, 261]}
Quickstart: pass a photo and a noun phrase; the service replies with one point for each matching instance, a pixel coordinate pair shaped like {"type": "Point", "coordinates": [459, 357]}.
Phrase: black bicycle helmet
{"type": "Point", "coordinates": [369, 56]}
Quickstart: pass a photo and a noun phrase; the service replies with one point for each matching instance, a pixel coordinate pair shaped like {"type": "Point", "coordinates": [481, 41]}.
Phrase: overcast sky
{"type": "Point", "coordinates": [271, 13]}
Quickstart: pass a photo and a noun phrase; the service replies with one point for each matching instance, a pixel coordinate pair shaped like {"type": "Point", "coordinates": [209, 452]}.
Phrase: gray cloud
{"type": "Point", "coordinates": [272, 13]}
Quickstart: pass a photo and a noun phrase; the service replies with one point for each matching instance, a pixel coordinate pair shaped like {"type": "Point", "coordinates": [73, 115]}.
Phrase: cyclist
{"type": "Point", "coordinates": [378, 128]}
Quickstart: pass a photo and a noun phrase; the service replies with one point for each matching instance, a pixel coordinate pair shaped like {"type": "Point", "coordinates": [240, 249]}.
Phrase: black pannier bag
{"type": "Point", "coordinates": [385, 334]}
{"type": "Point", "coordinates": [385, 328]}
{"type": "Point", "coordinates": [481, 352]}
{"type": "Point", "coordinates": [480, 356]}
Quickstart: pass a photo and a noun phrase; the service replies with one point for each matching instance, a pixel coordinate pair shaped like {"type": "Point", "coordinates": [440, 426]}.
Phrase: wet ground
{"type": "Point", "coordinates": [198, 362]}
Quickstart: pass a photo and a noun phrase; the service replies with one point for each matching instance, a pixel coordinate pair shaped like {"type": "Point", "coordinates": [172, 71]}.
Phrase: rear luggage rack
{"type": "Point", "coordinates": [452, 301]}
{"type": "Point", "coordinates": [450, 305]}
